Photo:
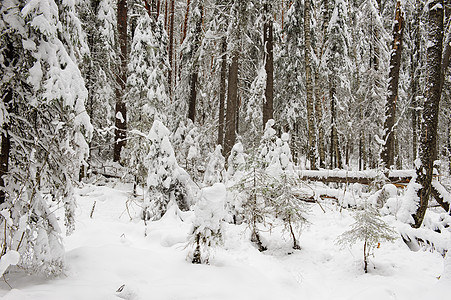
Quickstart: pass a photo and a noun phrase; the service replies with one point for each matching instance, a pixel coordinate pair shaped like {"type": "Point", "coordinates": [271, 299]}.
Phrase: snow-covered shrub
{"type": "Point", "coordinates": [207, 231]}
{"type": "Point", "coordinates": [368, 228]}
{"type": "Point", "coordinates": [166, 181]}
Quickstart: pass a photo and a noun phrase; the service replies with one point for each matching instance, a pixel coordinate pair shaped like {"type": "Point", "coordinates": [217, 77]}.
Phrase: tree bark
{"type": "Point", "coordinates": [268, 109]}
{"type": "Point", "coordinates": [428, 139]}
{"type": "Point", "coordinates": [121, 78]}
{"type": "Point", "coordinates": [222, 91]}
{"type": "Point", "coordinates": [335, 155]}
{"type": "Point", "coordinates": [319, 125]}
{"type": "Point", "coordinates": [388, 149]}
{"type": "Point", "coordinates": [185, 24]}
{"type": "Point", "coordinates": [171, 47]}
{"type": "Point", "coordinates": [5, 149]}
{"type": "Point", "coordinates": [446, 52]}
{"type": "Point", "coordinates": [232, 106]}
{"type": "Point", "coordinates": [195, 71]}
{"type": "Point", "coordinates": [309, 88]}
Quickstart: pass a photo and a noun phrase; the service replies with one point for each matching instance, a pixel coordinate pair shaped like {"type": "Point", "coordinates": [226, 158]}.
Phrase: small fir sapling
{"type": "Point", "coordinates": [164, 178]}
{"type": "Point", "coordinates": [370, 229]}
{"type": "Point", "coordinates": [255, 193]}
{"type": "Point", "coordinates": [285, 204]}
{"type": "Point", "coordinates": [236, 163]}
{"type": "Point", "coordinates": [214, 171]}
{"type": "Point", "coordinates": [235, 171]}
{"type": "Point", "coordinates": [207, 231]}
{"type": "Point", "coordinates": [267, 143]}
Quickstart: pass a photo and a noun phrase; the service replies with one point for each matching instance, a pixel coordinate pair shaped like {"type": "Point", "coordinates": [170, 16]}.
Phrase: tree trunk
{"type": "Point", "coordinates": [185, 24]}
{"type": "Point", "coordinates": [388, 149]}
{"type": "Point", "coordinates": [195, 71]}
{"type": "Point", "coordinates": [121, 78]}
{"type": "Point", "coordinates": [414, 77]}
{"type": "Point", "coordinates": [309, 89]}
{"type": "Point", "coordinates": [333, 157]}
{"type": "Point", "coordinates": [268, 109]}
{"type": "Point", "coordinates": [5, 149]}
{"type": "Point", "coordinates": [428, 139]}
{"type": "Point", "coordinates": [166, 25]}
{"type": "Point", "coordinates": [171, 47]}
{"type": "Point", "coordinates": [232, 106]}
{"type": "Point", "coordinates": [446, 52]}
{"type": "Point", "coordinates": [319, 125]}
{"type": "Point", "coordinates": [222, 91]}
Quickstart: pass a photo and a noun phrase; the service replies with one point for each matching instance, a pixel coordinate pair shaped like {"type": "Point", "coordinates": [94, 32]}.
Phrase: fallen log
{"type": "Point", "coordinates": [397, 177]}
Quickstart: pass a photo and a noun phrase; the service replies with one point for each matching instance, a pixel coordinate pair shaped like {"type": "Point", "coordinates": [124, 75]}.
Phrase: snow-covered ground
{"type": "Point", "coordinates": [111, 250]}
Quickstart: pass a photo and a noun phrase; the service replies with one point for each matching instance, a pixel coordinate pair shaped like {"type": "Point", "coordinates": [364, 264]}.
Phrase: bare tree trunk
{"type": "Point", "coordinates": [195, 71]}
{"type": "Point", "coordinates": [309, 89]}
{"type": "Point", "coordinates": [222, 91]}
{"type": "Point", "coordinates": [446, 51]}
{"type": "Point", "coordinates": [171, 47]}
{"type": "Point", "coordinates": [428, 140]}
{"type": "Point", "coordinates": [185, 24]}
{"type": "Point", "coordinates": [5, 149]}
{"type": "Point", "coordinates": [232, 106]}
{"type": "Point", "coordinates": [318, 94]}
{"type": "Point", "coordinates": [319, 125]}
{"type": "Point", "coordinates": [268, 109]}
{"type": "Point", "coordinates": [388, 149]}
{"type": "Point", "coordinates": [414, 77]}
{"type": "Point", "coordinates": [121, 78]}
{"type": "Point", "coordinates": [166, 25]}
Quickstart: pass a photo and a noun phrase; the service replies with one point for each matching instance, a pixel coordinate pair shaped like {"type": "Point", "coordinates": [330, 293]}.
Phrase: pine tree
{"type": "Point", "coordinates": [147, 97]}
{"type": "Point", "coordinates": [166, 181]}
{"type": "Point", "coordinates": [45, 126]}
{"type": "Point", "coordinates": [339, 65]}
{"type": "Point", "coordinates": [284, 204]}
{"type": "Point", "coordinates": [368, 228]}
{"type": "Point", "coordinates": [214, 170]}
{"type": "Point", "coordinates": [207, 230]}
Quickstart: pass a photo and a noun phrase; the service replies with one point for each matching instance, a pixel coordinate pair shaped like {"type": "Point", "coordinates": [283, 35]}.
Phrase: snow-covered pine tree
{"type": "Point", "coordinates": [372, 66]}
{"type": "Point", "coordinates": [207, 230]}
{"type": "Point", "coordinates": [214, 170]}
{"type": "Point", "coordinates": [339, 65]}
{"type": "Point", "coordinates": [267, 143]}
{"type": "Point", "coordinates": [45, 126]}
{"type": "Point", "coordinates": [255, 186]}
{"type": "Point", "coordinates": [99, 69]}
{"type": "Point", "coordinates": [147, 97]}
{"type": "Point", "coordinates": [289, 109]}
{"type": "Point", "coordinates": [235, 171]}
{"type": "Point", "coordinates": [284, 204]}
{"type": "Point", "coordinates": [254, 193]}
{"type": "Point", "coordinates": [368, 228]}
{"type": "Point", "coordinates": [166, 181]}
{"type": "Point", "coordinates": [236, 163]}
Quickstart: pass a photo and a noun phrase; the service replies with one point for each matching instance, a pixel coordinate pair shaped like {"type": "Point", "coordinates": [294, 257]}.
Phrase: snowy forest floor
{"type": "Point", "coordinates": [111, 250]}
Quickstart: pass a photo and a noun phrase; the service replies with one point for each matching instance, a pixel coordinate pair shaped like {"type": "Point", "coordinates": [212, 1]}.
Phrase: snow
{"type": "Point", "coordinates": [110, 250]}
{"type": "Point", "coordinates": [10, 258]}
